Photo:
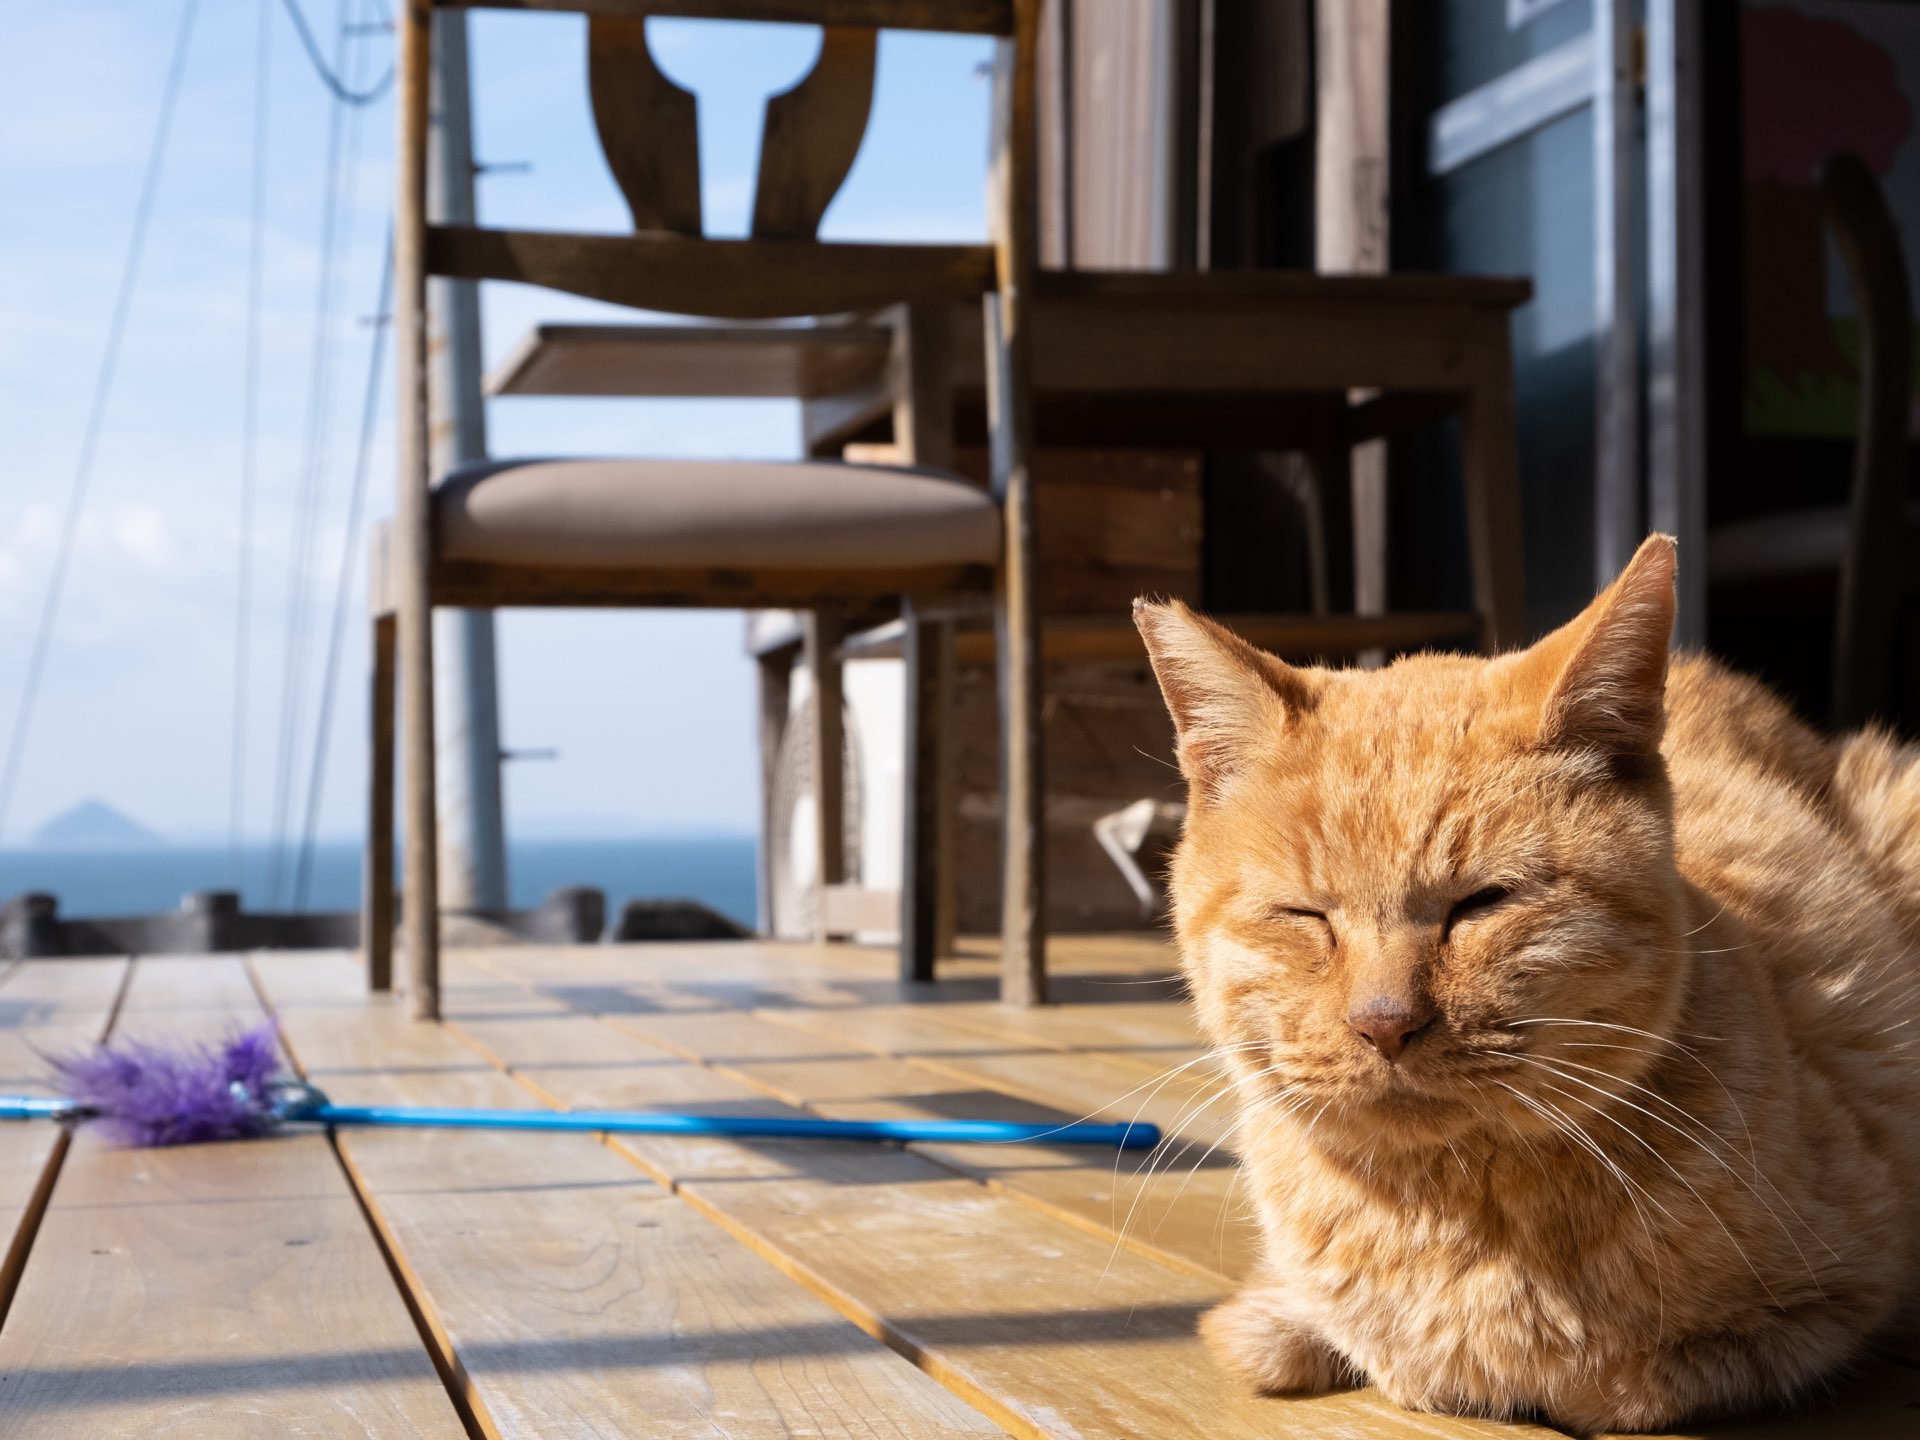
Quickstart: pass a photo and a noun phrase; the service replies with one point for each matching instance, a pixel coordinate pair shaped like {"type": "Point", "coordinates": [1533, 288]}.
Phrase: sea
{"type": "Point", "coordinates": [718, 870]}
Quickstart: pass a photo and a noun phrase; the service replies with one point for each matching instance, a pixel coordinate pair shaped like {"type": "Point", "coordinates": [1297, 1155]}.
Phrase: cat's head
{"type": "Point", "coordinates": [1391, 881]}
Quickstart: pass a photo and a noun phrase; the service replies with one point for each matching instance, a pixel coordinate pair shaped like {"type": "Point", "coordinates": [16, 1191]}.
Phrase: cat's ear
{"type": "Point", "coordinates": [1602, 677]}
{"type": "Point", "coordinates": [1228, 698]}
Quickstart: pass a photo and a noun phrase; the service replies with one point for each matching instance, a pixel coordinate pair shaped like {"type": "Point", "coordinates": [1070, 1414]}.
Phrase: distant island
{"type": "Point", "coordinates": [95, 825]}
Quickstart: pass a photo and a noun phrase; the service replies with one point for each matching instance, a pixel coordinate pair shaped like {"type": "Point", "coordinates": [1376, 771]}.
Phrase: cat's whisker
{"type": "Point", "coordinates": [1705, 925]}
{"type": "Point", "coordinates": [1706, 1150]}
{"type": "Point", "coordinates": [1654, 1151]}
{"type": "Point", "coordinates": [1753, 1157]}
{"type": "Point", "coordinates": [1574, 1131]}
{"type": "Point", "coordinates": [1692, 1119]}
{"type": "Point", "coordinates": [1554, 1116]}
{"type": "Point", "coordinates": [1151, 1162]}
{"type": "Point", "coordinates": [1611, 1025]}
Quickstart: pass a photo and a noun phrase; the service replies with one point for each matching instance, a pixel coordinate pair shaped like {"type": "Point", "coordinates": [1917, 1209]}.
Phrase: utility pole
{"type": "Point", "coordinates": [473, 852]}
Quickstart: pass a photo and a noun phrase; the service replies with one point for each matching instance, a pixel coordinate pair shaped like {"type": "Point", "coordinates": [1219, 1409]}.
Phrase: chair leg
{"type": "Point", "coordinates": [1023, 935]}
{"type": "Point", "coordinates": [920, 857]}
{"type": "Point", "coordinates": [376, 895]}
{"type": "Point", "coordinates": [1016, 621]}
{"type": "Point", "coordinates": [947, 794]}
{"type": "Point", "coordinates": [775, 672]}
{"type": "Point", "coordinates": [822, 649]}
{"type": "Point", "coordinates": [1487, 444]}
{"type": "Point", "coordinates": [420, 908]}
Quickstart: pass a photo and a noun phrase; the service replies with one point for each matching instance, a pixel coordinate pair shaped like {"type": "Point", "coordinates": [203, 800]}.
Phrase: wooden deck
{"type": "Point", "coordinates": [449, 1284]}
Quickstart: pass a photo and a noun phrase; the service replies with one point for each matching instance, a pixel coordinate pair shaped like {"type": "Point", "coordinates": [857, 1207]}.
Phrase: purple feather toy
{"type": "Point", "coordinates": [145, 1095]}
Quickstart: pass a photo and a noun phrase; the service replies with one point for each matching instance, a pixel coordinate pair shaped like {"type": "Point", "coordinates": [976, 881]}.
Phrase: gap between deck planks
{"type": "Point", "coordinates": [208, 1291]}
{"type": "Point", "coordinates": [1048, 1329]}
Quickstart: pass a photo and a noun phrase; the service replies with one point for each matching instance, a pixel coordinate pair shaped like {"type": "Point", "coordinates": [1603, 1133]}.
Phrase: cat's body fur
{"type": "Point", "coordinates": [1654, 1150]}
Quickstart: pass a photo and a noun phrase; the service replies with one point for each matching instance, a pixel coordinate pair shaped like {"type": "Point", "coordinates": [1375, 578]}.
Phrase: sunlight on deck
{"type": "Point", "coordinates": [448, 1283]}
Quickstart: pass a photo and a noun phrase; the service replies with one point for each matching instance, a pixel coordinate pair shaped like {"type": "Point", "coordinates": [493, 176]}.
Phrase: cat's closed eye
{"type": "Point", "coordinates": [1475, 905]}
{"type": "Point", "coordinates": [1302, 916]}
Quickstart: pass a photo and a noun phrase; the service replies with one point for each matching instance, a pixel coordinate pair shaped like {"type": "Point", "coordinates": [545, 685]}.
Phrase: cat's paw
{"type": "Point", "coordinates": [1251, 1335]}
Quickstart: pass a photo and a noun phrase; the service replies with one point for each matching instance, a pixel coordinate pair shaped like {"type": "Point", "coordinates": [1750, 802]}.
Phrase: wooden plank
{"type": "Point", "coordinates": [213, 1290]}
{"type": "Point", "coordinates": [570, 1294]}
{"type": "Point", "coordinates": [782, 361]}
{"type": "Point", "coordinates": [47, 1008]}
{"type": "Point", "coordinates": [811, 134]}
{"type": "Point", "coordinates": [570, 1057]}
{"type": "Point", "coordinates": [478, 584]}
{"type": "Point", "coordinates": [1173, 1204]}
{"type": "Point", "coordinates": [985, 17]}
{"type": "Point", "coordinates": [1090, 638]}
{"type": "Point", "coordinates": [1237, 289]}
{"type": "Point", "coordinates": [970, 1029]}
{"type": "Point", "coordinates": [1177, 1204]}
{"type": "Point", "coordinates": [1047, 1329]}
{"type": "Point", "coordinates": [727, 279]}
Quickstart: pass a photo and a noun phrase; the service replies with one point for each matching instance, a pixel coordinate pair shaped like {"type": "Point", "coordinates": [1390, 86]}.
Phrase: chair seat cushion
{"type": "Point", "coordinates": [744, 514]}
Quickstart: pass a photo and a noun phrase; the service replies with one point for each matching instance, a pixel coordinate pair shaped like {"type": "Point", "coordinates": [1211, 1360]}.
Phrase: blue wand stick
{"type": "Point", "coordinates": [146, 1095]}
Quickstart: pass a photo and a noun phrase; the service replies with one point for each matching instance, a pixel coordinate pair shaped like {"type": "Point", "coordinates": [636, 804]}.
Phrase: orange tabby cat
{"type": "Point", "coordinates": [1571, 1003]}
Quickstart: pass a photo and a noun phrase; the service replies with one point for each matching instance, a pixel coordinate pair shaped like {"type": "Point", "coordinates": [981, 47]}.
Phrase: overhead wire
{"type": "Point", "coordinates": [343, 90]}
{"type": "Point", "coordinates": [349, 548]}
{"type": "Point", "coordinates": [97, 410]}
{"type": "Point", "coordinates": [249, 440]}
{"type": "Point", "coordinates": [335, 228]}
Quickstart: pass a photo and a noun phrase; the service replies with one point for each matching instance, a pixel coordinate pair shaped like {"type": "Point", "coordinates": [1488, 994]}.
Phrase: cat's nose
{"type": "Point", "coordinates": [1389, 1024]}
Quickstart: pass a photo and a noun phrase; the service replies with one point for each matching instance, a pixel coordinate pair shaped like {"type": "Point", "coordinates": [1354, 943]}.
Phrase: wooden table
{"type": "Point", "coordinates": [442, 1284]}
{"type": "Point", "coordinates": [1244, 360]}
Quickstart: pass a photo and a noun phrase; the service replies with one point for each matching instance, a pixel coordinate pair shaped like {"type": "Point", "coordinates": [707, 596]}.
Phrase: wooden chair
{"type": "Point", "coordinates": [1868, 542]}
{"type": "Point", "coordinates": [824, 537]}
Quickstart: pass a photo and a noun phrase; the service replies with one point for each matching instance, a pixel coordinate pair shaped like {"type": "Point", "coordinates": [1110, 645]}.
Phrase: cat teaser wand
{"type": "Point", "coordinates": [147, 1095]}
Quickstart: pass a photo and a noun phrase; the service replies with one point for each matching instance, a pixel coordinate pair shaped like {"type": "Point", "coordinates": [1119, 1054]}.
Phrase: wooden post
{"type": "Point", "coordinates": [1023, 958]}
{"type": "Point", "coordinates": [1677, 262]}
{"type": "Point", "coordinates": [412, 553]}
{"type": "Point", "coordinates": [376, 896]}
{"type": "Point", "coordinates": [1619, 523]}
{"type": "Point", "coordinates": [1350, 225]}
{"type": "Point", "coordinates": [922, 377]}
{"type": "Point", "coordinates": [824, 632]}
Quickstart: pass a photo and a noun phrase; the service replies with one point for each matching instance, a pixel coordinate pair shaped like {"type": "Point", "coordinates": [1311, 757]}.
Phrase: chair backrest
{"type": "Point", "coordinates": [807, 143]}
{"type": "Point", "coordinates": [810, 136]}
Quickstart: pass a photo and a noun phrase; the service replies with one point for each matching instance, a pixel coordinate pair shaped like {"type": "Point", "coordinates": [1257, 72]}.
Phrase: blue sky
{"type": "Point", "coordinates": [651, 712]}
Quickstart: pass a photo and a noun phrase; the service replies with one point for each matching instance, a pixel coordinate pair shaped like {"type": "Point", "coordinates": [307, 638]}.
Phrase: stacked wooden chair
{"type": "Point", "coordinates": [825, 537]}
